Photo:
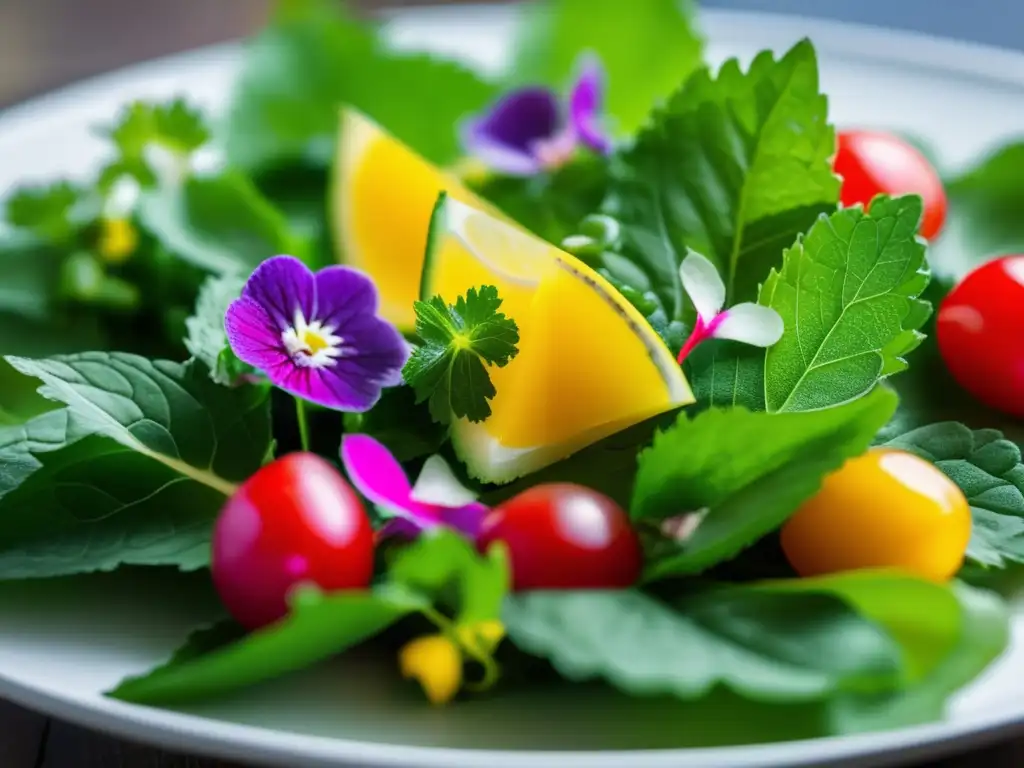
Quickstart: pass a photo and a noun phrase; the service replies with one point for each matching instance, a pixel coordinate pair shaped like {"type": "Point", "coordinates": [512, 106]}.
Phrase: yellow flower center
{"type": "Point", "coordinates": [315, 341]}
{"type": "Point", "coordinates": [118, 240]}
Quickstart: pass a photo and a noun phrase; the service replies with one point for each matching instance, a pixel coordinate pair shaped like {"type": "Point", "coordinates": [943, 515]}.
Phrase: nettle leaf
{"type": "Point", "coordinates": [133, 471]}
{"type": "Point", "coordinates": [206, 340]}
{"type": "Point", "coordinates": [647, 49]}
{"type": "Point", "coordinates": [222, 224]}
{"type": "Point", "coordinates": [218, 660]}
{"type": "Point", "coordinates": [733, 167]}
{"type": "Point", "coordinates": [848, 297]}
{"type": "Point", "coordinates": [989, 471]}
{"type": "Point", "coordinates": [314, 57]}
{"type": "Point", "coordinates": [745, 473]}
{"type": "Point", "coordinates": [771, 642]}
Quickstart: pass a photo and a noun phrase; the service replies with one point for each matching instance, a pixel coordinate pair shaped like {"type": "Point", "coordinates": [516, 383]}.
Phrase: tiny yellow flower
{"type": "Point", "coordinates": [118, 240]}
{"type": "Point", "coordinates": [436, 663]}
{"type": "Point", "coordinates": [483, 636]}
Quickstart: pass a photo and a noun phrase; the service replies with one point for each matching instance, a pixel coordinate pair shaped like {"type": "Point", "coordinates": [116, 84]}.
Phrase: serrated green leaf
{"type": "Point", "coordinates": [444, 560]}
{"type": "Point", "coordinates": [647, 50]}
{"type": "Point", "coordinates": [848, 297]}
{"type": "Point", "coordinates": [315, 57]}
{"type": "Point", "coordinates": [207, 340]}
{"type": "Point", "coordinates": [47, 211]}
{"type": "Point", "coordinates": [134, 470]}
{"type": "Point", "coordinates": [221, 224]}
{"type": "Point", "coordinates": [745, 473]}
{"type": "Point", "coordinates": [733, 167]}
{"type": "Point", "coordinates": [219, 661]}
{"type": "Point", "coordinates": [988, 469]}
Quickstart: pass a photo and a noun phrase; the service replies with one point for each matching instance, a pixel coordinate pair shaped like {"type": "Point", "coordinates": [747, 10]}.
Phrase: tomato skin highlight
{"type": "Point", "coordinates": [884, 509]}
{"type": "Point", "coordinates": [873, 163]}
{"type": "Point", "coordinates": [295, 521]}
{"type": "Point", "coordinates": [980, 332]}
{"type": "Point", "coordinates": [565, 536]}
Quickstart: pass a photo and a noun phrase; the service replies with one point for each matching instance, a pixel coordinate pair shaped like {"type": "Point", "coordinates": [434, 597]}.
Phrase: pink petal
{"type": "Point", "coordinates": [375, 473]}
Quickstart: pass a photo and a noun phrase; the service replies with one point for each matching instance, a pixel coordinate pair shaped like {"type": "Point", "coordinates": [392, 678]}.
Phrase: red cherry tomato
{"type": "Point", "coordinates": [980, 330]}
{"type": "Point", "coordinates": [873, 163]}
{"type": "Point", "coordinates": [564, 536]}
{"type": "Point", "coordinates": [295, 521]}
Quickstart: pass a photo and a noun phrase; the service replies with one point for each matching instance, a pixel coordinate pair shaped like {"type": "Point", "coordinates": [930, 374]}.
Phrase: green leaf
{"type": "Point", "coordinates": [848, 297]}
{"type": "Point", "coordinates": [448, 369]}
{"type": "Point", "coordinates": [733, 167]}
{"type": "Point", "coordinates": [28, 268]}
{"type": "Point", "coordinates": [550, 205]}
{"type": "Point", "coordinates": [403, 426]}
{"type": "Point", "coordinates": [988, 470]}
{"type": "Point", "coordinates": [443, 560]}
{"type": "Point", "coordinates": [318, 627]}
{"type": "Point", "coordinates": [314, 57]}
{"type": "Point", "coordinates": [134, 470]}
{"type": "Point", "coordinates": [761, 645]}
{"type": "Point", "coordinates": [175, 125]}
{"type": "Point", "coordinates": [222, 224]}
{"type": "Point", "coordinates": [647, 50]}
{"type": "Point", "coordinates": [745, 473]}
{"type": "Point", "coordinates": [206, 340]}
{"type": "Point", "coordinates": [50, 211]}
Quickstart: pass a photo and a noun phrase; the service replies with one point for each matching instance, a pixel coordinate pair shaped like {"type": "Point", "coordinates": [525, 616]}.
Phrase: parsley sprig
{"type": "Point", "coordinates": [448, 368]}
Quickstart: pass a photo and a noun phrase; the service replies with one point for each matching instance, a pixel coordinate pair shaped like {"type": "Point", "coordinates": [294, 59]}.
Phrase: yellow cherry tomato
{"type": "Point", "coordinates": [883, 509]}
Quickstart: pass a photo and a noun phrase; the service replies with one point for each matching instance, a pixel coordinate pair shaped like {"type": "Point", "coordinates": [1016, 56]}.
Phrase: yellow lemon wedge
{"type": "Point", "coordinates": [382, 194]}
{"type": "Point", "coordinates": [588, 366]}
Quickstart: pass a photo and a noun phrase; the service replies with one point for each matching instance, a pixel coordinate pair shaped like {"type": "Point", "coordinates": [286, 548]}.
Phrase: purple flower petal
{"type": "Point", "coordinates": [399, 527]}
{"type": "Point", "coordinates": [281, 285]}
{"type": "Point", "coordinates": [374, 471]}
{"type": "Point", "coordinates": [253, 335]}
{"type": "Point", "coordinates": [467, 520]}
{"type": "Point", "coordinates": [374, 350]}
{"type": "Point", "coordinates": [343, 293]}
{"type": "Point", "coordinates": [503, 137]}
{"type": "Point", "coordinates": [586, 104]}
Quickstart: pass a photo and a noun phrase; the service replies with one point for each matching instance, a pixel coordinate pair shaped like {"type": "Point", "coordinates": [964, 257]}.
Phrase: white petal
{"type": "Point", "coordinates": [751, 324]}
{"type": "Point", "coordinates": [702, 284]}
{"type": "Point", "coordinates": [437, 485]}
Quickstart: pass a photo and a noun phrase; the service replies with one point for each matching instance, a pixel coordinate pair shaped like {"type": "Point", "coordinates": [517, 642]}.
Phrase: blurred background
{"type": "Point", "coordinates": [48, 43]}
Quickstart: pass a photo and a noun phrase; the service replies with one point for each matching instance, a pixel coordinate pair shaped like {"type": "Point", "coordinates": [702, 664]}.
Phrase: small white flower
{"type": "Point", "coordinates": [747, 322]}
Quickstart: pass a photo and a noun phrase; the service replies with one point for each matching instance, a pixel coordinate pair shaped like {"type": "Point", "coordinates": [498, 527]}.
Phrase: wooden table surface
{"type": "Point", "coordinates": [47, 43]}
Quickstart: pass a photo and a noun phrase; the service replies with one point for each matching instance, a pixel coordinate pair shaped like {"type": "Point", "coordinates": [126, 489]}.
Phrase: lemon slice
{"type": "Point", "coordinates": [382, 195]}
{"type": "Point", "coordinates": [588, 366]}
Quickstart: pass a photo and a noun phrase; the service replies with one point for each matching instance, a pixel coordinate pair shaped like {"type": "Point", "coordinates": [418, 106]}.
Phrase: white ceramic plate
{"type": "Point", "coordinates": [63, 642]}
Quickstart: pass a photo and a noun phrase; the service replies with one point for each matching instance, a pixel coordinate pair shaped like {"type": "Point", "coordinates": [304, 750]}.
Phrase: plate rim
{"type": "Point", "coordinates": [172, 729]}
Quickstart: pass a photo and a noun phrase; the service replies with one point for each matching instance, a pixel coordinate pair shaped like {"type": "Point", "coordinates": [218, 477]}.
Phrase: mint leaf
{"type": "Point", "coordinates": [319, 626]}
{"type": "Point", "coordinates": [48, 211]}
{"type": "Point", "coordinates": [647, 49]}
{"type": "Point", "coordinates": [551, 205]}
{"type": "Point", "coordinates": [760, 645]}
{"type": "Point", "coordinates": [457, 340]}
{"type": "Point", "coordinates": [206, 340]}
{"type": "Point", "coordinates": [988, 470]}
{"type": "Point", "coordinates": [222, 224]}
{"type": "Point", "coordinates": [134, 470]}
{"type": "Point", "coordinates": [314, 57]}
{"type": "Point", "coordinates": [847, 293]}
{"type": "Point", "coordinates": [745, 473]}
{"type": "Point", "coordinates": [733, 167]}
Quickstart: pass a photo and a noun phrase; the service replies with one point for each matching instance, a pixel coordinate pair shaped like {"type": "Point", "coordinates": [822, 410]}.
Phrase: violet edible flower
{"type": "Point", "coordinates": [748, 322]}
{"type": "Point", "coordinates": [316, 336]}
{"type": "Point", "coordinates": [437, 499]}
{"type": "Point", "coordinates": [529, 130]}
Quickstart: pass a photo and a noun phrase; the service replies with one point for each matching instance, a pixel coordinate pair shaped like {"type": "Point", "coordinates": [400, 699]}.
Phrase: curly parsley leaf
{"type": "Point", "coordinates": [743, 474]}
{"type": "Point", "coordinates": [448, 368]}
{"type": "Point", "coordinates": [646, 50]}
{"type": "Point", "coordinates": [988, 469]}
{"type": "Point", "coordinates": [133, 470]}
{"type": "Point", "coordinates": [847, 293]}
{"type": "Point", "coordinates": [47, 211]}
{"type": "Point", "coordinates": [734, 167]}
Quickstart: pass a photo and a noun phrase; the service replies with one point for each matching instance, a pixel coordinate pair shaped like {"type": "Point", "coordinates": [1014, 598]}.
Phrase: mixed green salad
{"type": "Point", "coordinates": [615, 368]}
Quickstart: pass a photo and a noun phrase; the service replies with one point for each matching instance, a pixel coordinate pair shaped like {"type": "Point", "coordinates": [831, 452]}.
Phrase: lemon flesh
{"type": "Point", "coordinates": [588, 366]}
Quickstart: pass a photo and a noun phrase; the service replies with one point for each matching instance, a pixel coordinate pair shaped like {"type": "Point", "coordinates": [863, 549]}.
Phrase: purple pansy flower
{"type": "Point", "coordinates": [316, 336]}
{"type": "Point", "coordinates": [437, 499]}
{"type": "Point", "coordinates": [529, 130]}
